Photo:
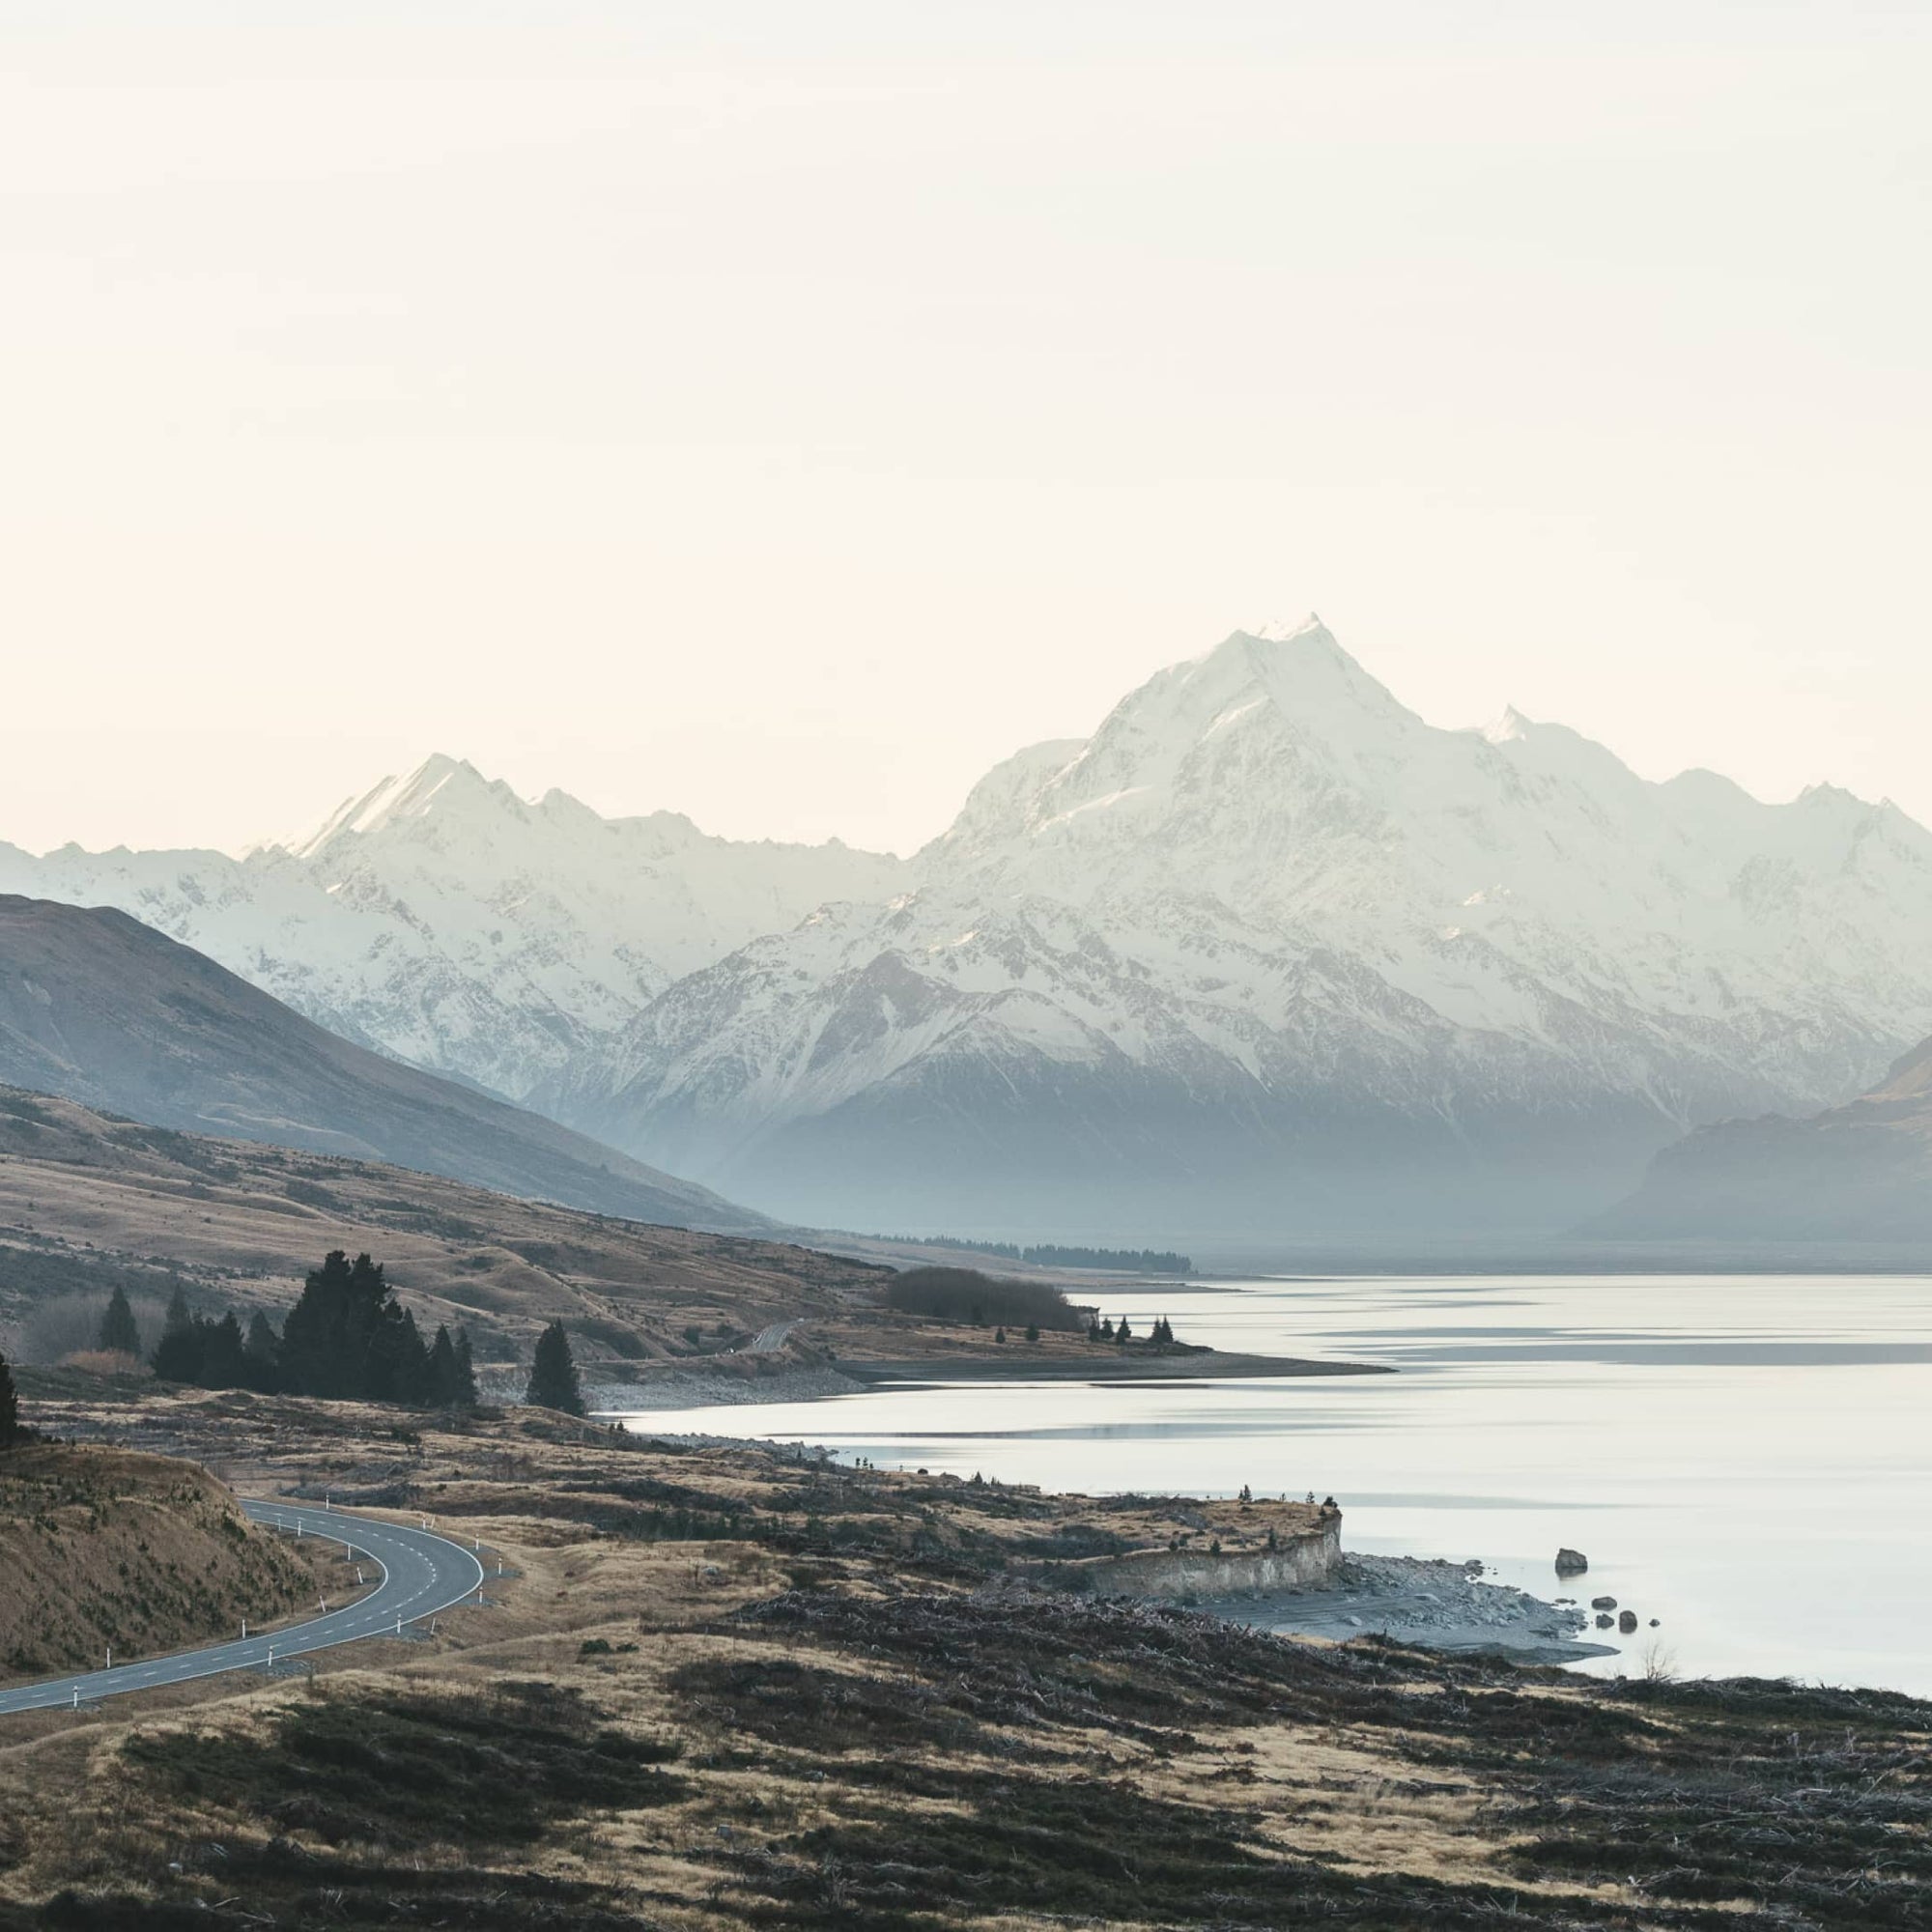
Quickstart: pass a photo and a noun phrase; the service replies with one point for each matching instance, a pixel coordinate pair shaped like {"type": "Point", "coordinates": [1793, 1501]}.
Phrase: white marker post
{"type": "Point", "coordinates": [245, 1630]}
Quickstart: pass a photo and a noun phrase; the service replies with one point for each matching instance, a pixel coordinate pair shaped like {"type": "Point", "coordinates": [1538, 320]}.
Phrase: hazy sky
{"type": "Point", "coordinates": [781, 411]}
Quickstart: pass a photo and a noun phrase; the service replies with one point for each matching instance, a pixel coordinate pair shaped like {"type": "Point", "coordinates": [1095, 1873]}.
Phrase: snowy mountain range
{"type": "Point", "coordinates": [1267, 953]}
{"type": "Point", "coordinates": [442, 920]}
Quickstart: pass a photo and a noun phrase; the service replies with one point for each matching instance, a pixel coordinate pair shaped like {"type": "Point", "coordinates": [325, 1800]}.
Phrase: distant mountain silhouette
{"type": "Point", "coordinates": [1857, 1173]}
{"type": "Point", "coordinates": [100, 1008]}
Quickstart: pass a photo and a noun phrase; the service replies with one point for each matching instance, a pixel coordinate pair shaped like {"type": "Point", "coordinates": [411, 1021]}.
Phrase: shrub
{"type": "Point", "coordinates": [104, 1362]}
{"type": "Point", "coordinates": [985, 1301]}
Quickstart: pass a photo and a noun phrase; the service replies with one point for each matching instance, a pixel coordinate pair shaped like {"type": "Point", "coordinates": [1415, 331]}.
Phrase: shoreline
{"type": "Point", "coordinates": [1428, 1602]}
{"type": "Point", "coordinates": [681, 1388]}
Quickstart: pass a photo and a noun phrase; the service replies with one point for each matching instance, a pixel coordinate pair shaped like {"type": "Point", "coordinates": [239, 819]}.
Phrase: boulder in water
{"type": "Point", "coordinates": [1571, 1562]}
{"type": "Point", "coordinates": [1602, 1603]}
{"type": "Point", "coordinates": [1627, 1622]}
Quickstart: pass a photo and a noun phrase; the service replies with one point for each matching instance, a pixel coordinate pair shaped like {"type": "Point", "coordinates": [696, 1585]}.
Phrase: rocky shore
{"type": "Point", "coordinates": [1437, 1605]}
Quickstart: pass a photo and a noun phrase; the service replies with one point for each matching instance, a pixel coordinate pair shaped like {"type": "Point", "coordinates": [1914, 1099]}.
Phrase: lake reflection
{"type": "Point", "coordinates": [1747, 1458]}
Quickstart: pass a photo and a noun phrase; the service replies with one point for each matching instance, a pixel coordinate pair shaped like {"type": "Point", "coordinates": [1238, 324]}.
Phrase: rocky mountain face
{"type": "Point", "coordinates": [98, 1008]}
{"type": "Point", "coordinates": [1860, 1173]}
{"type": "Point", "coordinates": [1270, 954]}
{"type": "Point", "coordinates": [1267, 955]}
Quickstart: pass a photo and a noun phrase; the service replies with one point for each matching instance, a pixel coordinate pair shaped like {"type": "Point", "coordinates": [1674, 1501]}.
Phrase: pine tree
{"type": "Point", "coordinates": [465, 1371]}
{"type": "Point", "coordinates": [11, 1431]}
{"type": "Point", "coordinates": [118, 1336]}
{"type": "Point", "coordinates": [220, 1348]}
{"type": "Point", "coordinates": [1123, 1333]}
{"type": "Point", "coordinates": [397, 1365]}
{"type": "Point", "coordinates": [452, 1379]}
{"type": "Point", "coordinates": [442, 1369]}
{"type": "Point", "coordinates": [411, 1380]}
{"type": "Point", "coordinates": [178, 1353]}
{"type": "Point", "coordinates": [554, 1383]}
{"type": "Point", "coordinates": [262, 1354]}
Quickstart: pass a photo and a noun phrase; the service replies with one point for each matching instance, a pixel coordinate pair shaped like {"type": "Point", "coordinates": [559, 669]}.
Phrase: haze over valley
{"type": "Point", "coordinates": [1266, 958]}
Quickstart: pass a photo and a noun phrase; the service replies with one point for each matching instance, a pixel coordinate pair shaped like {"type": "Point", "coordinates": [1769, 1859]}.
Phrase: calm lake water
{"type": "Point", "coordinates": [1747, 1458]}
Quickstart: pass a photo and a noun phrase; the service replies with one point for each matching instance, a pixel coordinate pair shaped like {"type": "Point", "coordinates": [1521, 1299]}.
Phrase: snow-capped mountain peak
{"type": "Point", "coordinates": [1269, 944]}
{"type": "Point", "coordinates": [442, 787]}
{"type": "Point", "coordinates": [1282, 629]}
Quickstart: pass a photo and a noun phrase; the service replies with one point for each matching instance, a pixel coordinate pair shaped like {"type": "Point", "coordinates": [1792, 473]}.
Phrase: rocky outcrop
{"type": "Point", "coordinates": [1308, 1561]}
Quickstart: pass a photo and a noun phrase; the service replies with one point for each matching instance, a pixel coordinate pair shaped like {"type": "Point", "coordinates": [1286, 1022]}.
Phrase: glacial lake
{"type": "Point", "coordinates": [1747, 1458]}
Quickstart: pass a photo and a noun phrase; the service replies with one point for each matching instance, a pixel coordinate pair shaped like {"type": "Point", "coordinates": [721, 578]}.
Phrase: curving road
{"type": "Point", "coordinates": [422, 1574]}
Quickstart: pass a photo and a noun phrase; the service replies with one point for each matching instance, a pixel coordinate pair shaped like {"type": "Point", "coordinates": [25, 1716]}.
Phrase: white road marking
{"type": "Point", "coordinates": [411, 1551]}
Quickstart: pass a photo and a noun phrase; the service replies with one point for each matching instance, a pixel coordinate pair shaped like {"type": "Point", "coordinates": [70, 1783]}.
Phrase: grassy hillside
{"type": "Point", "coordinates": [104, 1545]}
{"type": "Point", "coordinates": [723, 1689]}
{"type": "Point", "coordinates": [97, 1006]}
{"type": "Point", "coordinates": [88, 1201]}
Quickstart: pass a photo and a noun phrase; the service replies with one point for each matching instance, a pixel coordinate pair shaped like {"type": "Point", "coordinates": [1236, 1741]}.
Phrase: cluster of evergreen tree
{"type": "Point", "coordinates": [347, 1338]}
{"type": "Point", "coordinates": [215, 1353]}
{"type": "Point", "coordinates": [1102, 1328]}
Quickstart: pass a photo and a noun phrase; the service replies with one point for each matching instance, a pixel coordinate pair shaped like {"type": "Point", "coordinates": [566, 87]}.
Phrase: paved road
{"type": "Point", "coordinates": [422, 1573]}
{"type": "Point", "coordinates": [769, 1341]}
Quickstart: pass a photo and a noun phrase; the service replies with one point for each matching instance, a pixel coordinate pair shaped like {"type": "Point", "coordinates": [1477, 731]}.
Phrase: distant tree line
{"type": "Point", "coordinates": [1122, 1261]}
{"type": "Point", "coordinates": [347, 1338]}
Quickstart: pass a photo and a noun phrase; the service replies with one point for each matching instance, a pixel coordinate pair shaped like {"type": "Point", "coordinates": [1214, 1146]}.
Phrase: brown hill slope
{"type": "Point", "coordinates": [100, 1545]}
{"type": "Point", "coordinates": [1857, 1173]}
{"type": "Point", "coordinates": [88, 1203]}
{"type": "Point", "coordinates": [100, 1009]}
